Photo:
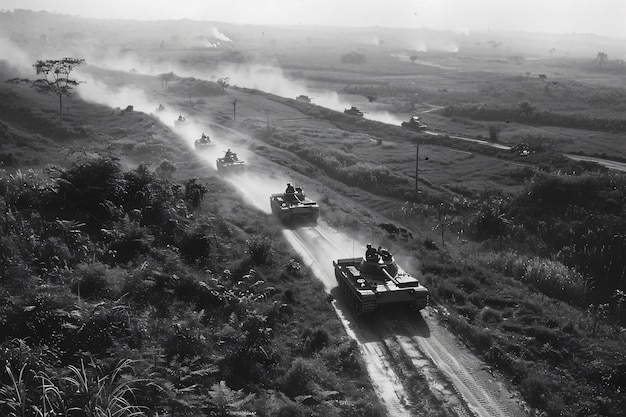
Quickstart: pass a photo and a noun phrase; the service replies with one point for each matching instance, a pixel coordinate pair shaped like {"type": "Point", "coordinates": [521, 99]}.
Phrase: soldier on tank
{"type": "Point", "coordinates": [371, 254]}
{"type": "Point", "coordinates": [229, 157]}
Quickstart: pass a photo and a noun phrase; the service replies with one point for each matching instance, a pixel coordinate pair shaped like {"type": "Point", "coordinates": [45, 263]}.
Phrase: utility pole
{"type": "Point", "coordinates": [234, 108]}
{"type": "Point", "coordinates": [417, 159]}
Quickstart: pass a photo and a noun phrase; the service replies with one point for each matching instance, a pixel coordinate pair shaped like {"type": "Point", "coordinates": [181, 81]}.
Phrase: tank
{"type": "Point", "coordinates": [295, 208]}
{"type": "Point", "coordinates": [353, 111]}
{"type": "Point", "coordinates": [414, 123]}
{"type": "Point", "coordinates": [303, 98]}
{"type": "Point", "coordinates": [203, 143]}
{"type": "Point", "coordinates": [230, 163]}
{"type": "Point", "coordinates": [370, 282]}
{"type": "Point", "coordinates": [181, 121]}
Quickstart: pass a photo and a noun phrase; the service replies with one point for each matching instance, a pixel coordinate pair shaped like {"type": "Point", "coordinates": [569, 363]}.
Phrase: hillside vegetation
{"type": "Point", "coordinates": [128, 291]}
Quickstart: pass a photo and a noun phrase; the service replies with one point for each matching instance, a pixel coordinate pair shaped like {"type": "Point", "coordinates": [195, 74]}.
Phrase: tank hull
{"type": "Point", "coordinates": [293, 211]}
{"type": "Point", "coordinates": [203, 145]}
{"type": "Point", "coordinates": [366, 286]}
{"type": "Point", "coordinates": [414, 124]}
{"type": "Point", "coordinates": [353, 111]}
{"type": "Point", "coordinates": [224, 167]}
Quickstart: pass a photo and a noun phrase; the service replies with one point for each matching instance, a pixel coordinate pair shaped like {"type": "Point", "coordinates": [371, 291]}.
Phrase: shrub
{"type": "Point", "coordinates": [260, 250]}
{"type": "Point", "coordinates": [300, 378]}
{"type": "Point", "coordinates": [196, 247]}
{"type": "Point", "coordinates": [194, 192]}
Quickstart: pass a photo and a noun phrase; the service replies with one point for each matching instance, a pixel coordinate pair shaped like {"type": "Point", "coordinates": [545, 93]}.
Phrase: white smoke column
{"type": "Point", "coordinates": [219, 35]}
{"type": "Point", "coordinates": [95, 91]}
{"type": "Point", "coordinates": [16, 58]}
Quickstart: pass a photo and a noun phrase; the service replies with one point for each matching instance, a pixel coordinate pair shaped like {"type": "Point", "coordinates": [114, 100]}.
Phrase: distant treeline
{"type": "Point", "coordinates": [526, 113]}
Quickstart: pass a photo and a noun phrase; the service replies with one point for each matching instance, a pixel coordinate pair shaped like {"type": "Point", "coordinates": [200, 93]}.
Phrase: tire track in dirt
{"type": "Point", "coordinates": [386, 382]}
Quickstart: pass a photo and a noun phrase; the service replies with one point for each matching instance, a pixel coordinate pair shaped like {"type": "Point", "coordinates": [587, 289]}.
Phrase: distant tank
{"type": "Point", "coordinates": [160, 108]}
{"type": "Point", "coordinates": [181, 121]}
{"type": "Point", "coordinates": [376, 280]}
{"type": "Point", "coordinates": [203, 143]}
{"type": "Point", "coordinates": [353, 111]}
{"type": "Point", "coordinates": [294, 208]}
{"type": "Point", "coordinates": [230, 163]}
{"type": "Point", "coordinates": [414, 123]}
{"type": "Point", "coordinates": [303, 98]}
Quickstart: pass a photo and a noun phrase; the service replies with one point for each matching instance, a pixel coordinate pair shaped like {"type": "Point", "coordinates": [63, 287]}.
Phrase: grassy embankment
{"type": "Point", "coordinates": [138, 289]}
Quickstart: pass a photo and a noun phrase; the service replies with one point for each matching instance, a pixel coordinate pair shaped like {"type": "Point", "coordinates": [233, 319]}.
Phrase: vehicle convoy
{"type": "Point", "coordinates": [375, 280]}
{"type": "Point", "coordinates": [353, 111]}
{"type": "Point", "coordinates": [230, 163]}
{"type": "Point", "coordinates": [293, 207]}
{"type": "Point", "coordinates": [415, 123]}
{"type": "Point", "coordinates": [203, 143]}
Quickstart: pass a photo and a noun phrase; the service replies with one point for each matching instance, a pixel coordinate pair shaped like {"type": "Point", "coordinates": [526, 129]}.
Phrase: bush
{"type": "Point", "coordinates": [300, 378]}
{"type": "Point", "coordinates": [260, 250]}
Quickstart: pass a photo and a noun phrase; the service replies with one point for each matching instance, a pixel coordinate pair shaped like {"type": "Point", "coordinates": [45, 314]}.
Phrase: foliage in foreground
{"type": "Point", "coordinates": [120, 298]}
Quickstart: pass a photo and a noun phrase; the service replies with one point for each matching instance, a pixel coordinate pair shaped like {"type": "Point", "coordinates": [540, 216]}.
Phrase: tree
{"type": "Point", "coordinates": [166, 78]}
{"type": "Point", "coordinates": [601, 58]}
{"type": "Point", "coordinates": [56, 78]}
{"type": "Point", "coordinates": [223, 82]}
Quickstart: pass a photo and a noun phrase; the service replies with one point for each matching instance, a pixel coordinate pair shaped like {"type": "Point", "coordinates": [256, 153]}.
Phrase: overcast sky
{"type": "Point", "coordinates": [602, 17]}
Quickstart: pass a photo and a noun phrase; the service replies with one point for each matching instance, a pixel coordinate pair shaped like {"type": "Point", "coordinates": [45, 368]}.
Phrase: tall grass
{"type": "Point", "coordinates": [549, 277]}
{"type": "Point", "coordinates": [85, 391]}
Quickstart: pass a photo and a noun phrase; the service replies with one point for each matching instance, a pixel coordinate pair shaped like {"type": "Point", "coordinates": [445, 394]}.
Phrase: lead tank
{"type": "Point", "coordinates": [372, 281]}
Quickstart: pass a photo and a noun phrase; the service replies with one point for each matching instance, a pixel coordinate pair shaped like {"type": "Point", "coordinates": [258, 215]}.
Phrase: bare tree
{"type": "Point", "coordinates": [56, 78]}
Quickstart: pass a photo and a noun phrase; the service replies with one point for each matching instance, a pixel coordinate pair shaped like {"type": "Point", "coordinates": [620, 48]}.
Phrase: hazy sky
{"type": "Point", "coordinates": [602, 17]}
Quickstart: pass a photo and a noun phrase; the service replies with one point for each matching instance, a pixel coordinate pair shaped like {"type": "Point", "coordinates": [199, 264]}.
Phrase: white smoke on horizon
{"type": "Point", "coordinates": [219, 35]}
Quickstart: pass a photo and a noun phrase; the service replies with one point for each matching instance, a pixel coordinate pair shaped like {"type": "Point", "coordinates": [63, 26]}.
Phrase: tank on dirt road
{"type": "Point", "coordinates": [203, 143]}
{"type": "Point", "coordinates": [303, 98]}
{"type": "Point", "coordinates": [353, 111]}
{"type": "Point", "coordinates": [414, 123]}
{"type": "Point", "coordinates": [294, 208]}
{"type": "Point", "coordinates": [181, 121]}
{"type": "Point", "coordinates": [376, 280]}
{"type": "Point", "coordinates": [230, 163]}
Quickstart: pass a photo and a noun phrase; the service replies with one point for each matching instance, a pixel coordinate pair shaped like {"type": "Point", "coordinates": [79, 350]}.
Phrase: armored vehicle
{"type": "Point", "coordinates": [230, 163]}
{"type": "Point", "coordinates": [294, 208]}
{"type": "Point", "coordinates": [353, 111]}
{"type": "Point", "coordinates": [303, 98]}
{"type": "Point", "coordinates": [181, 121]}
{"type": "Point", "coordinates": [375, 280]}
{"type": "Point", "coordinates": [203, 143]}
{"type": "Point", "coordinates": [415, 123]}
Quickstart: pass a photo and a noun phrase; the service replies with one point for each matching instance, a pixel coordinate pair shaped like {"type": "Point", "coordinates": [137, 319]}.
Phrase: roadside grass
{"type": "Point", "coordinates": [186, 293]}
